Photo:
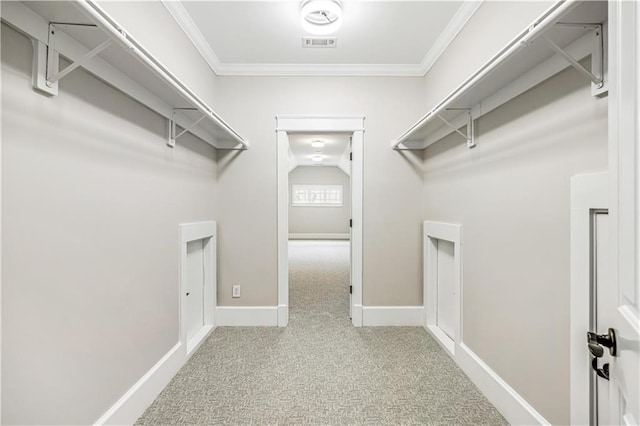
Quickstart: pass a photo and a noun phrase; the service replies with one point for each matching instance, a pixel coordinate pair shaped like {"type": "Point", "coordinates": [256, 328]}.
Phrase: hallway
{"type": "Point", "coordinates": [320, 369]}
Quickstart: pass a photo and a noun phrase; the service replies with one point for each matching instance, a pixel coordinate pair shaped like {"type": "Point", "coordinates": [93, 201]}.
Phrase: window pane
{"type": "Point", "coordinates": [316, 195]}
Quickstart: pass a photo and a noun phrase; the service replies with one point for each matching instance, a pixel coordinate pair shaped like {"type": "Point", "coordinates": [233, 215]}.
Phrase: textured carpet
{"type": "Point", "coordinates": [320, 369]}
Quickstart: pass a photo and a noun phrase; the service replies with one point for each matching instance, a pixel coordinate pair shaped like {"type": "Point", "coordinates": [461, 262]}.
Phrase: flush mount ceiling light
{"type": "Point", "coordinates": [316, 158]}
{"type": "Point", "coordinates": [317, 144]}
{"type": "Point", "coordinates": [321, 17]}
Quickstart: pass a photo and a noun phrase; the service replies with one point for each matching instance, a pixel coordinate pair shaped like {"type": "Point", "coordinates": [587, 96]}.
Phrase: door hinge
{"type": "Point", "coordinates": [350, 289]}
{"type": "Point", "coordinates": [350, 223]}
{"type": "Point", "coordinates": [351, 156]}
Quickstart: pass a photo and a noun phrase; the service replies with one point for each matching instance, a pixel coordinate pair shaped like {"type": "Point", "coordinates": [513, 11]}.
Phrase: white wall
{"type": "Point", "coordinates": [320, 220]}
{"type": "Point", "coordinates": [151, 24]}
{"type": "Point", "coordinates": [92, 198]}
{"type": "Point", "coordinates": [511, 194]}
{"type": "Point", "coordinates": [392, 182]}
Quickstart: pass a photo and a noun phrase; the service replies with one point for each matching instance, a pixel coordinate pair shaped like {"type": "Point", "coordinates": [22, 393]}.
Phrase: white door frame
{"type": "Point", "coordinates": [451, 232]}
{"type": "Point", "coordinates": [193, 232]}
{"type": "Point", "coordinates": [354, 125]}
{"type": "Point", "coordinates": [588, 193]}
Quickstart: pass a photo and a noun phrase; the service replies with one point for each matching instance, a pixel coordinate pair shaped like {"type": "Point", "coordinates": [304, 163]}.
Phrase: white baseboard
{"type": "Point", "coordinates": [194, 343]}
{"type": "Point", "coordinates": [511, 405]}
{"type": "Point", "coordinates": [247, 316]}
{"type": "Point", "coordinates": [356, 315]}
{"type": "Point", "coordinates": [319, 236]}
{"type": "Point", "coordinates": [138, 398]}
{"type": "Point", "coordinates": [283, 315]}
{"type": "Point", "coordinates": [443, 340]}
{"type": "Point", "coordinates": [393, 316]}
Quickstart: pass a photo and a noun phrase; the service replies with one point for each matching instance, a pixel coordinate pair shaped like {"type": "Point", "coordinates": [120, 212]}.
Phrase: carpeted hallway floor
{"type": "Point", "coordinates": [320, 369]}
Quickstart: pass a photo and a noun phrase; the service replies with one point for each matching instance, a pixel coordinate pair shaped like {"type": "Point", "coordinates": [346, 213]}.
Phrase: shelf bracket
{"type": "Point", "coordinates": [46, 59]}
{"type": "Point", "coordinates": [55, 76]}
{"type": "Point", "coordinates": [470, 135]}
{"type": "Point", "coordinates": [596, 75]}
{"type": "Point", "coordinates": [172, 126]}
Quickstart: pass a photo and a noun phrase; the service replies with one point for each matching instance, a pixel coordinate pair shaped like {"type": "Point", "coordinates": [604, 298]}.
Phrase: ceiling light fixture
{"type": "Point", "coordinates": [317, 144]}
{"type": "Point", "coordinates": [316, 158]}
{"type": "Point", "coordinates": [321, 17]}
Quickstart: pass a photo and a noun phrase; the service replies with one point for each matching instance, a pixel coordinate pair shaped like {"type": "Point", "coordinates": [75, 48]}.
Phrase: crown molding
{"type": "Point", "coordinates": [457, 23]}
{"type": "Point", "coordinates": [337, 70]}
{"type": "Point", "coordinates": [459, 20]}
{"type": "Point", "coordinates": [184, 20]}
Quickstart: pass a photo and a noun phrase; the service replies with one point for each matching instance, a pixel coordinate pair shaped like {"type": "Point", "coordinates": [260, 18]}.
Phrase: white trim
{"type": "Point", "coordinates": [515, 409]}
{"type": "Point", "coordinates": [356, 313]}
{"type": "Point", "coordinates": [450, 32]}
{"type": "Point", "coordinates": [332, 70]}
{"type": "Point", "coordinates": [588, 192]}
{"type": "Point", "coordinates": [185, 22]}
{"type": "Point", "coordinates": [248, 316]}
{"type": "Point", "coordinates": [357, 228]}
{"type": "Point", "coordinates": [320, 124]}
{"type": "Point", "coordinates": [324, 123]}
{"type": "Point", "coordinates": [308, 236]}
{"type": "Point", "coordinates": [393, 316]}
{"type": "Point", "coordinates": [446, 232]}
{"type": "Point", "coordinates": [283, 314]}
{"type": "Point", "coordinates": [139, 397]}
{"type": "Point", "coordinates": [189, 27]}
{"type": "Point", "coordinates": [205, 231]}
{"type": "Point", "coordinates": [283, 225]}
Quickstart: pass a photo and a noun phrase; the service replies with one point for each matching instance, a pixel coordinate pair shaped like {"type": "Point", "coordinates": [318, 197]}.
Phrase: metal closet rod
{"type": "Point", "coordinates": [105, 22]}
{"type": "Point", "coordinates": [526, 37]}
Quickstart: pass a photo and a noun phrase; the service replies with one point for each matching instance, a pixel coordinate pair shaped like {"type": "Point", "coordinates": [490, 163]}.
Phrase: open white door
{"type": "Point", "coordinates": [624, 160]}
{"type": "Point", "coordinates": [624, 398]}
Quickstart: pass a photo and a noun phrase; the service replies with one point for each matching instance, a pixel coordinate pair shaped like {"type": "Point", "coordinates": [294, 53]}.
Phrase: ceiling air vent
{"type": "Point", "coordinates": [319, 41]}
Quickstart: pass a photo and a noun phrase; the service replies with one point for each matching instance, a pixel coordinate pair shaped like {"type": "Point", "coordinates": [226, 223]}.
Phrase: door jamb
{"type": "Point", "coordinates": [286, 124]}
{"type": "Point", "coordinates": [589, 192]}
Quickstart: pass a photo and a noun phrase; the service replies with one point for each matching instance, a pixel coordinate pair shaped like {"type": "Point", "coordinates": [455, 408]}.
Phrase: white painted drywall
{"type": "Point", "coordinates": [491, 27]}
{"type": "Point", "coordinates": [151, 24]}
{"type": "Point", "coordinates": [511, 194]}
{"type": "Point", "coordinates": [320, 220]}
{"type": "Point", "coordinates": [92, 198]}
{"type": "Point", "coordinates": [392, 182]}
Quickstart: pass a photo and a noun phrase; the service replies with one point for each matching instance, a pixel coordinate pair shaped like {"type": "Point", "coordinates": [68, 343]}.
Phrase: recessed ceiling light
{"type": "Point", "coordinates": [321, 17]}
{"type": "Point", "coordinates": [317, 158]}
{"type": "Point", "coordinates": [317, 144]}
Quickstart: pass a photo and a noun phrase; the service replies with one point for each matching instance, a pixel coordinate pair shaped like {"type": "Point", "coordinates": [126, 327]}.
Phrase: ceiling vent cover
{"type": "Point", "coordinates": [319, 42]}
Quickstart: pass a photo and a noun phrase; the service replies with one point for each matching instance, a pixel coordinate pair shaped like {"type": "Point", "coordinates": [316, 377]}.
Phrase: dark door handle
{"type": "Point", "coordinates": [190, 293]}
{"type": "Point", "coordinates": [596, 343]}
{"type": "Point", "coordinates": [601, 372]}
{"type": "Point", "coordinates": [607, 340]}
{"type": "Point", "coordinates": [596, 350]}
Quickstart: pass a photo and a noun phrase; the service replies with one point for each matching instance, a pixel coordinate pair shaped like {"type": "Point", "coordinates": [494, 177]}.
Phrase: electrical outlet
{"type": "Point", "coordinates": [235, 292]}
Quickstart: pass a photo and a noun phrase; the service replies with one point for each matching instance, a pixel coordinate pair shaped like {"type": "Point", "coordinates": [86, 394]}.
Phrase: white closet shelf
{"type": "Point", "coordinates": [86, 36]}
{"type": "Point", "coordinates": [566, 33]}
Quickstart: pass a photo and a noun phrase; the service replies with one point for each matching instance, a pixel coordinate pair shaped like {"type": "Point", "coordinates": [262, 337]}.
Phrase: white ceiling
{"type": "Point", "coordinates": [333, 150]}
{"type": "Point", "coordinates": [376, 37]}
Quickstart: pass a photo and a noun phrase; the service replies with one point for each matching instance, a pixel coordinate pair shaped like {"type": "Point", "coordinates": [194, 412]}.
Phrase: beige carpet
{"type": "Point", "coordinates": [320, 369]}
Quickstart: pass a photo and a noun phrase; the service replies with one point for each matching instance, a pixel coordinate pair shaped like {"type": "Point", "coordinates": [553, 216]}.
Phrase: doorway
{"type": "Point", "coordinates": [319, 224]}
{"type": "Point", "coordinates": [292, 127]}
